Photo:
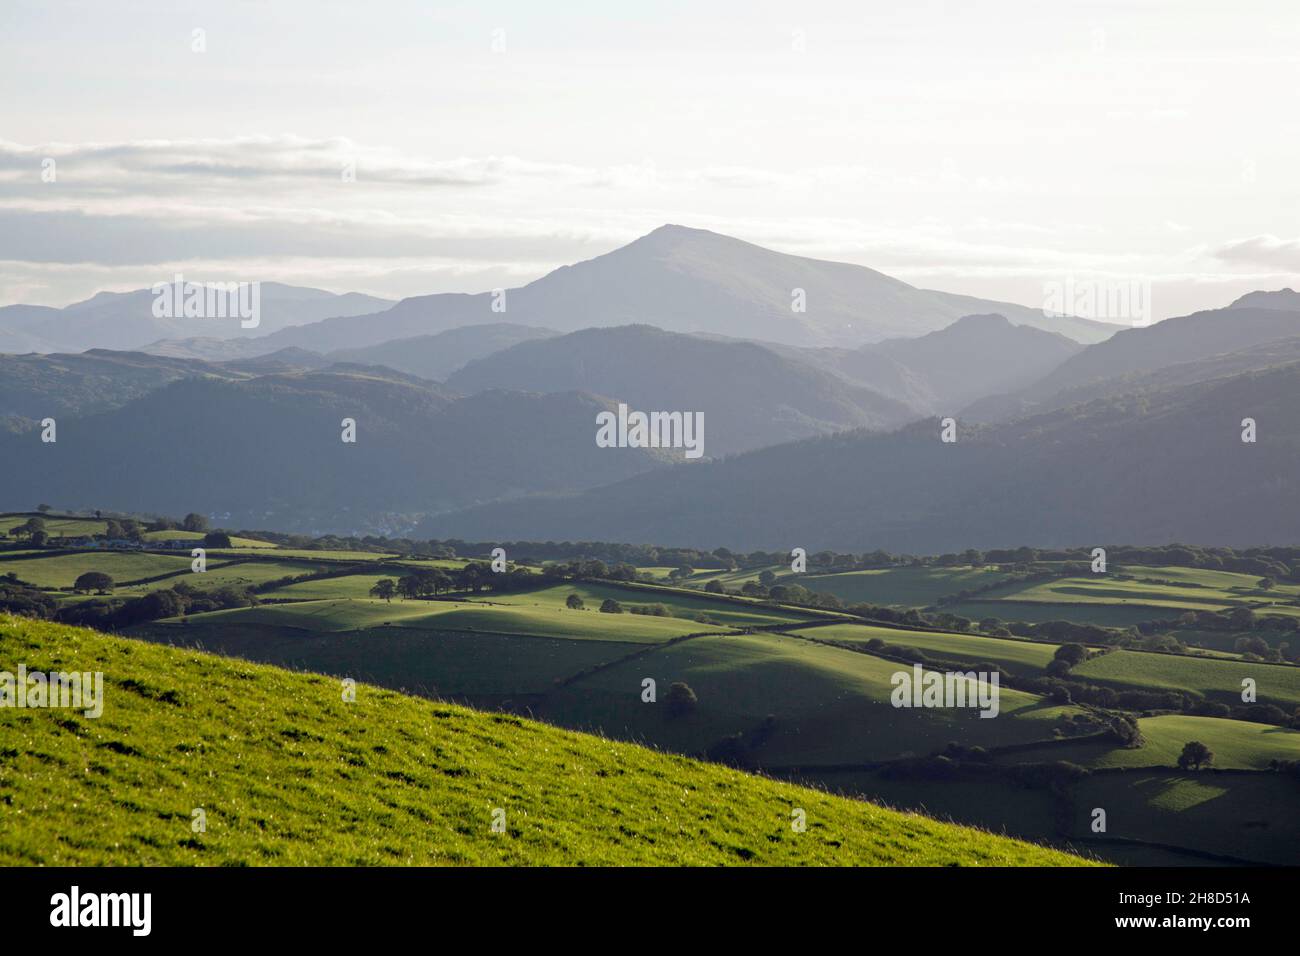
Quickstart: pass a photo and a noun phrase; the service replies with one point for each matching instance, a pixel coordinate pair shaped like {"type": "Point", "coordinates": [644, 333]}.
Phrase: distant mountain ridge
{"type": "Point", "coordinates": [125, 320]}
{"type": "Point", "coordinates": [693, 281]}
{"type": "Point", "coordinates": [943, 371]}
{"type": "Point", "coordinates": [1164, 466]}
{"type": "Point", "coordinates": [1133, 353]}
{"type": "Point", "coordinates": [271, 449]}
{"type": "Point", "coordinates": [749, 396]}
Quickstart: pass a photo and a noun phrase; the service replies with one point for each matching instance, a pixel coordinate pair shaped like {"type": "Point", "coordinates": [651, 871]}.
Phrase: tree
{"type": "Point", "coordinates": [216, 539]}
{"type": "Point", "coordinates": [714, 587]}
{"type": "Point", "coordinates": [574, 603]}
{"type": "Point", "coordinates": [43, 509]}
{"type": "Point", "coordinates": [40, 539]}
{"type": "Point", "coordinates": [1195, 755]}
{"type": "Point", "coordinates": [32, 526]}
{"type": "Point", "coordinates": [767, 578]}
{"type": "Point", "coordinates": [610, 606]}
{"type": "Point", "coordinates": [681, 700]}
{"type": "Point", "coordinates": [1267, 584]}
{"type": "Point", "coordinates": [409, 586]}
{"type": "Point", "coordinates": [1072, 654]}
{"type": "Point", "coordinates": [96, 581]}
{"type": "Point", "coordinates": [195, 522]}
{"type": "Point", "coordinates": [681, 573]}
{"type": "Point", "coordinates": [384, 588]}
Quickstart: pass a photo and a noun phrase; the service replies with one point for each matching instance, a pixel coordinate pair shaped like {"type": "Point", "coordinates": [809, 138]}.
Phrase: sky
{"type": "Point", "coordinates": [401, 148]}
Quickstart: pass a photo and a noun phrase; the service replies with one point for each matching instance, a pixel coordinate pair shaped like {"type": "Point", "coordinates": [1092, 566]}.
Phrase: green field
{"type": "Point", "coordinates": [831, 705]}
{"type": "Point", "coordinates": [343, 586]}
{"type": "Point", "coordinates": [1017, 657]}
{"type": "Point", "coordinates": [1217, 679]}
{"type": "Point", "coordinates": [1237, 745]}
{"type": "Point", "coordinates": [55, 527]}
{"type": "Point", "coordinates": [681, 603]}
{"type": "Point", "coordinates": [1241, 816]}
{"type": "Point", "coordinates": [505, 670]}
{"type": "Point", "coordinates": [1103, 615]}
{"type": "Point", "coordinates": [197, 537]}
{"type": "Point", "coordinates": [288, 773]}
{"type": "Point", "coordinates": [898, 587]}
{"type": "Point", "coordinates": [62, 570]}
{"type": "Point", "coordinates": [544, 621]}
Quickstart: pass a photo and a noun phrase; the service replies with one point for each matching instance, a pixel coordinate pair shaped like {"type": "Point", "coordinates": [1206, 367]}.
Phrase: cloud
{"type": "Point", "coordinates": [1266, 251]}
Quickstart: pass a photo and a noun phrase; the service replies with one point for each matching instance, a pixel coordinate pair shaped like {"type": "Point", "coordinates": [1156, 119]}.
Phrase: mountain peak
{"type": "Point", "coordinates": [1286, 300]}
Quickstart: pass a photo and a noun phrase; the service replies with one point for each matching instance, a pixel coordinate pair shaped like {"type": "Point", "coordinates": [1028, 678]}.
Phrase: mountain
{"type": "Point", "coordinates": [34, 386]}
{"type": "Point", "coordinates": [436, 356]}
{"type": "Point", "coordinates": [125, 320]}
{"type": "Point", "coordinates": [268, 450]}
{"type": "Point", "coordinates": [692, 280]}
{"type": "Point", "coordinates": [944, 371]}
{"type": "Point", "coordinates": [749, 396]}
{"type": "Point", "coordinates": [1160, 467]}
{"type": "Point", "coordinates": [1136, 352]}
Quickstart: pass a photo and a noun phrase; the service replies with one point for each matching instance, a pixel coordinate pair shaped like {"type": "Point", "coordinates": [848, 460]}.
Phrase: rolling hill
{"type": "Point", "coordinates": [437, 356]}
{"type": "Point", "coordinates": [288, 773]}
{"type": "Point", "coordinates": [271, 446]}
{"type": "Point", "coordinates": [692, 280]}
{"type": "Point", "coordinates": [1197, 344]}
{"type": "Point", "coordinates": [944, 371]}
{"type": "Point", "coordinates": [125, 320]}
{"type": "Point", "coordinates": [35, 386]}
{"type": "Point", "coordinates": [1161, 467]}
{"type": "Point", "coordinates": [750, 396]}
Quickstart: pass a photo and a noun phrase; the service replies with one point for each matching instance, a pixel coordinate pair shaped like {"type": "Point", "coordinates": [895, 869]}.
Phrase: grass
{"type": "Point", "coordinates": [1236, 815]}
{"type": "Point", "coordinates": [1214, 678]}
{"type": "Point", "coordinates": [247, 543]}
{"type": "Point", "coordinates": [684, 604]}
{"type": "Point", "coordinates": [1103, 615]}
{"type": "Point", "coordinates": [56, 527]}
{"type": "Point", "coordinates": [1017, 657]}
{"type": "Point", "coordinates": [1237, 745]}
{"type": "Point", "coordinates": [830, 705]}
{"type": "Point", "coordinates": [899, 587]}
{"type": "Point", "coordinates": [62, 570]}
{"type": "Point", "coordinates": [290, 774]}
{"type": "Point", "coordinates": [350, 615]}
{"type": "Point", "coordinates": [460, 665]}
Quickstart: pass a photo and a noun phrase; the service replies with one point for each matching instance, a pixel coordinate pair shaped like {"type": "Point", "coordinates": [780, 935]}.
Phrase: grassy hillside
{"type": "Point", "coordinates": [289, 773]}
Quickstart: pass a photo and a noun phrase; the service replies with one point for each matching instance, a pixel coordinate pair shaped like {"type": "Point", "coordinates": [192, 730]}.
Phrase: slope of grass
{"type": "Point", "coordinates": [831, 705]}
{"type": "Point", "coordinates": [680, 602]}
{"type": "Point", "coordinates": [350, 615]}
{"type": "Point", "coordinates": [289, 773]}
{"type": "Point", "coordinates": [1237, 745]}
{"type": "Point", "coordinates": [56, 527]}
{"type": "Point", "coordinates": [1236, 815]}
{"type": "Point", "coordinates": [901, 587]}
{"type": "Point", "coordinates": [197, 536]}
{"type": "Point", "coordinates": [1018, 657]}
{"type": "Point", "coordinates": [1218, 679]}
{"type": "Point", "coordinates": [62, 570]}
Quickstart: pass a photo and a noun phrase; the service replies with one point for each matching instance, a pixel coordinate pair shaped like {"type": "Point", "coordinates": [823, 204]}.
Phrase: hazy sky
{"type": "Point", "coordinates": [982, 148]}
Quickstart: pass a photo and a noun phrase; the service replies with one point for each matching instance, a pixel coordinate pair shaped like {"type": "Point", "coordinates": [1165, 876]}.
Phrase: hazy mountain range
{"type": "Point", "coordinates": [675, 278]}
{"type": "Point", "coordinates": [125, 320]}
{"type": "Point", "coordinates": [818, 425]}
